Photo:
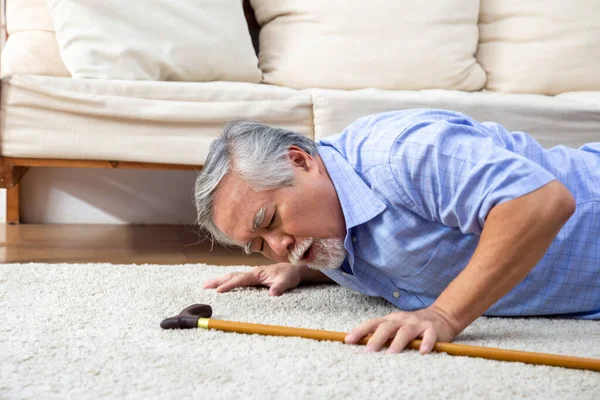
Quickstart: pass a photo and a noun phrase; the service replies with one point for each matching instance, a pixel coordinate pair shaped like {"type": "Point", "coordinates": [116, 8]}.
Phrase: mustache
{"type": "Point", "coordinates": [330, 253]}
{"type": "Point", "coordinates": [298, 251]}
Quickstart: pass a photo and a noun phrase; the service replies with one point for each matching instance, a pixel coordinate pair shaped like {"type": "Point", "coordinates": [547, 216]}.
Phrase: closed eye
{"type": "Point", "coordinates": [272, 220]}
{"type": "Point", "coordinates": [262, 243]}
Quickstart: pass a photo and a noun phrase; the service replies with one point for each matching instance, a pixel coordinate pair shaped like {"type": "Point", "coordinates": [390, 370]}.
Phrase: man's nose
{"type": "Point", "coordinates": [280, 243]}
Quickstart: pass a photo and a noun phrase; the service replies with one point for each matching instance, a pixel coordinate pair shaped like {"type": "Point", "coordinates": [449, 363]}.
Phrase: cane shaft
{"type": "Point", "coordinates": [449, 348]}
{"type": "Point", "coordinates": [491, 353]}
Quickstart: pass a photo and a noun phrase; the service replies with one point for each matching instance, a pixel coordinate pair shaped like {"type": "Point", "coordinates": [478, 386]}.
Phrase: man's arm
{"type": "Point", "coordinates": [515, 236]}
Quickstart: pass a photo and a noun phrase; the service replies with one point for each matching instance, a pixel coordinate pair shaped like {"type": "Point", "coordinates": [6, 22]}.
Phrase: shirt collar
{"type": "Point", "coordinates": [359, 203]}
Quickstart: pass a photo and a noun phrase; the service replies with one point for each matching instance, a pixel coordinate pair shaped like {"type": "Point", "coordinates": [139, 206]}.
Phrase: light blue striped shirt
{"type": "Point", "coordinates": [415, 188]}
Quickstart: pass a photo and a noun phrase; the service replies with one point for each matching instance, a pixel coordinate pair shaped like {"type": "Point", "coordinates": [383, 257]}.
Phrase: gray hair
{"type": "Point", "coordinates": [257, 153]}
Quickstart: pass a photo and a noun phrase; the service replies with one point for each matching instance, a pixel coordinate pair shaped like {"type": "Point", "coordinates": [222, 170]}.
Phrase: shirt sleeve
{"type": "Point", "coordinates": [452, 171]}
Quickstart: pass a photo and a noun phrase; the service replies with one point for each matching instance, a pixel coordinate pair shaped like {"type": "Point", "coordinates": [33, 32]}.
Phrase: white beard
{"type": "Point", "coordinates": [330, 253]}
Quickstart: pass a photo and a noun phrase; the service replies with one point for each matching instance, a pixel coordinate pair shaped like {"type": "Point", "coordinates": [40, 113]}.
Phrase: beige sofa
{"type": "Point", "coordinates": [532, 66]}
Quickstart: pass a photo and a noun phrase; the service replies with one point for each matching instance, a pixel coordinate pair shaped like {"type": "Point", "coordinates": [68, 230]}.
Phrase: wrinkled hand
{"type": "Point", "coordinates": [278, 277]}
{"type": "Point", "coordinates": [430, 324]}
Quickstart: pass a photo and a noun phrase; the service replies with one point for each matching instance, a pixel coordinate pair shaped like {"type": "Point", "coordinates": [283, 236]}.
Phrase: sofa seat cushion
{"type": "Point", "coordinates": [141, 121]}
{"type": "Point", "coordinates": [586, 97]}
{"type": "Point", "coordinates": [551, 120]}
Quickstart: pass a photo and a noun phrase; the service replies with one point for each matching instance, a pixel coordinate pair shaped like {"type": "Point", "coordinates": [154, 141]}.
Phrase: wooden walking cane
{"type": "Point", "coordinates": [198, 316]}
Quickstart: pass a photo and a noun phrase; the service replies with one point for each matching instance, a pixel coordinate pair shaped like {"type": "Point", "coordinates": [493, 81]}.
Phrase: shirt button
{"type": "Point", "coordinates": [396, 294]}
{"type": "Point", "coordinates": [353, 239]}
{"type": "Point", "coordinates": [345, 273]}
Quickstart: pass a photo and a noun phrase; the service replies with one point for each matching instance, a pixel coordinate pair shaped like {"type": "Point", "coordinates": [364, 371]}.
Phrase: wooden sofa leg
{"type": "Point", "coordinates": [12, 205]}
{"type": "Point", "coordinates": [10, 175]}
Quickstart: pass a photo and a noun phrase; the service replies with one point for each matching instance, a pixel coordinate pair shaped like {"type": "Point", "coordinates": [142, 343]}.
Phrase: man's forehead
{"type": "Point", "coordinates": [237, 208]}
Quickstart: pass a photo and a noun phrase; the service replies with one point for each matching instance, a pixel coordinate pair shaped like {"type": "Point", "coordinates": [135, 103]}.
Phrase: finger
{"type": "Point", "coordinates": [362, 330]}
{"type": "Point", "coordinates": [429, 339]}
{"type": "Point", "coordinates": [213, 283]}
{"type": "Point", "coordinates": [403, 336]}
{"type": "Point", "coordinates": [384, 332]}
{"type": "Point", "coordinates": [277, 287]}
{"type": "Point", "coordinates": [276, 290]}
{"type": "Point", "coordinates": [247, 279]}
{"type": "Point", "coordinates": [281, 285]}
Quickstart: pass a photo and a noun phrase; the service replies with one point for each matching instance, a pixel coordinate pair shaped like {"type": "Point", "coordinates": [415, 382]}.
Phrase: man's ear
{"type": "Point", "coordinates": [299, 158]}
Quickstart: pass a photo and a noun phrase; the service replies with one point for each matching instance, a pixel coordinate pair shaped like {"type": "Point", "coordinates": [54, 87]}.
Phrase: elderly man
{"type": "Point", "coordinates": [445, 217]}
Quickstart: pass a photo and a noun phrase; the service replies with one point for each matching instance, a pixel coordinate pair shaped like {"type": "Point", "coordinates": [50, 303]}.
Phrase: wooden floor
{"type": "Point", "coordinates": [116, 244]}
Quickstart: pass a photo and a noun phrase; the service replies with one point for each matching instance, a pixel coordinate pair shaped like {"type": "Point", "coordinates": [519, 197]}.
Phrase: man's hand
{"type": "Point", "coordinates": [278, 277]}
{"type": "Point", "coordinates": [429, 324]}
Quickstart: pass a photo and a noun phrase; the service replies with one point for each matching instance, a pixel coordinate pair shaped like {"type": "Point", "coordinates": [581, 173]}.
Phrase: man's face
{"type": "Point", "coordinates": [301, 224]}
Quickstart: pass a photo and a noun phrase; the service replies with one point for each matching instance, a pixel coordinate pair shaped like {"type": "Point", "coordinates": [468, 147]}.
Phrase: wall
{"type": "Point", "coordinates": [107, 196]}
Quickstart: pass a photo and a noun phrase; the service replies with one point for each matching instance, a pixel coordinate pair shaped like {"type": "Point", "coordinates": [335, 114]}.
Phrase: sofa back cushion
{"type": "Point", "coordinates": [26, 15]}
{"type": "Point", "coordinates": [31, 47]}
{"type": "Point", "coordinates": [540, 46]}
{"type": "Point", "coordinates": [352, 44]}
{"type": "Point", "coordinates": [183, 40]}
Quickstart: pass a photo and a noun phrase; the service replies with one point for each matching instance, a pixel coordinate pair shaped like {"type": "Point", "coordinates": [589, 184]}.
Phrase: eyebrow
{"type": "Point", "coordinates": [258, 220]}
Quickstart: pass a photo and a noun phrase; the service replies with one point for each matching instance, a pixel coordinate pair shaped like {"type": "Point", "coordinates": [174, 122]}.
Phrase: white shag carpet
{"type": "Point", "coordinates": [91, 331]}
